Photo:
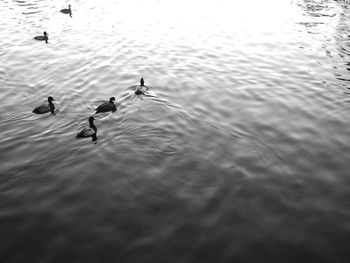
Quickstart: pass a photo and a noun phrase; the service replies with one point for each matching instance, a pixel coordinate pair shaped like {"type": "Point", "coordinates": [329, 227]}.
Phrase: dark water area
{"type": "Point", "coordinates": [238, 152]}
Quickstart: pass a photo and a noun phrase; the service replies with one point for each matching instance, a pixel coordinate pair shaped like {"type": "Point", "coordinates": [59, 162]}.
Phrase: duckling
{"type": "Point", "coordinates": [140, 90]}
{"type": "Point", "coordinates": [89, 131]}
{"type": "Point", "coordinates": [41, 38]}
{"type": "Point", "coordinates": [45, 108]}
{"type": "Point", "coordinates": [107, 106]}
{"type": "Point", "coordinates": [67, 11]}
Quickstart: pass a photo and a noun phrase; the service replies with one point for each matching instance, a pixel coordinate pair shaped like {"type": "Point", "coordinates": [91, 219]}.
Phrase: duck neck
{"type": "Point", "coordinates": [52, 107]}
{"type": "Point", "coordinates": [92, 125]}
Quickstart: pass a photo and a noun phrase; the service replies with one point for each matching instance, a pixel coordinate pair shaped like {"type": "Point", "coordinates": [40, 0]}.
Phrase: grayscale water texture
{"type": "Point", "coordinates": [239, 151]}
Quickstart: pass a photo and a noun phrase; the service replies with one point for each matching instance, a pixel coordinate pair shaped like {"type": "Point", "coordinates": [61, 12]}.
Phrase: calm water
{"type": "Point", "coordinates": [239, 152]}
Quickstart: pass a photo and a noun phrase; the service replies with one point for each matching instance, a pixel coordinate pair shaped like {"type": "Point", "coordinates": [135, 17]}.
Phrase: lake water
{"type": "Point", "coordinates": [238, 152]}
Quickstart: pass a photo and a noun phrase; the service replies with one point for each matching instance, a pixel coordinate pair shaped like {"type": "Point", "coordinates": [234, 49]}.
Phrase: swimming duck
{"type": "Point", "coordinates": [142, 88]}
{"type": "Point", "coordinates": [45, 108]}
{"type": "Point", "coordinates": [90, 131]}
{"type": "Point", "coordinates": [107, 106]}
{"type": "Point", "coordinates": [44, 37]}
{"type": "Point", "coordinates": [67, 11]}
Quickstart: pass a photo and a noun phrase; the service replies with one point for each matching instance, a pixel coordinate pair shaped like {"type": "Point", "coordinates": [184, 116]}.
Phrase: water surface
{"type": "Point", "coordinates": [239, 151]}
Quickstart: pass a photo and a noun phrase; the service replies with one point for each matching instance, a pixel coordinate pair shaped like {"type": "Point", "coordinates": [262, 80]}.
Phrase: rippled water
{"type": "Point", "coordinates": [239, 151]}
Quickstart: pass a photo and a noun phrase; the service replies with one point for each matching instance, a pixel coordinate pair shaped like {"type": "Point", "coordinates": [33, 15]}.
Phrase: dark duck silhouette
{"type": "Point", "coordinates": [107, 106]}
{"type": "Point", "coordinates": [43, 37]}
{"type": "Point", "coordinates": [67, 11]}
{"type": "Point", "coordinates": [89, 131]}
{"type": "Point", "coordinates": [45, 108]}
{"type": "Point", "coordinates": [140, 90]}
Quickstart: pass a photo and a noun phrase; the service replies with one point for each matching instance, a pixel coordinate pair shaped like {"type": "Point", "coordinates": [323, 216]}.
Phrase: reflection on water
{"type": "Point", "coordinates": [238, 150]}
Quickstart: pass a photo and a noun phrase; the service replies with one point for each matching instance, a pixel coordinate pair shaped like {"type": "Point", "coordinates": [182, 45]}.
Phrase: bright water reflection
{"type": "Point", "coordinates": [239, 151]}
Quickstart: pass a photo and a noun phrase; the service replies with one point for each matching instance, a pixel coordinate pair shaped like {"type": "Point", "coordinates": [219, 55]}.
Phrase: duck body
{"type": "Point", "coordinates": [107, 106]}
{"type": "Point", "coordinates": [44, 37]}
{"type": "Point", "coordinates": [141, 89]}
{"type": "Point", "coordinates": [45, 108]}
{"type": "Point", "coordinates": [66, 10]}
{"type": "Point", "coordinates": [86, 132]}
{"type": "Point", "coordinates": [89, 131]}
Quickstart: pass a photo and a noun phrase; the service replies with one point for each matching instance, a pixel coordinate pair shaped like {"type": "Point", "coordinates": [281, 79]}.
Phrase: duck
{"type": "Point", "coordinates": [89, 131]}
{"type": "Point", "coordinates": [45, 108]}
{"type": "Point", "coordinates": [140, 90]}
{"type": "Point", "coordinates": [107, 106]}
{"type": "Point", "coordinates": [67, 11]}
{"type": "Point", "coordinates": [43, 37]}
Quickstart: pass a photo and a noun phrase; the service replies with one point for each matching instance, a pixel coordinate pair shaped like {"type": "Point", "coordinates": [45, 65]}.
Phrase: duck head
{"type": "Point", "coordinates": [142, 82]}
{"type": "Point", "coordinates": [112, 99]}
{"type": "Point", "coordinates": [45, 34]}
{"type": "Point", "coordinates": [50, 99]}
